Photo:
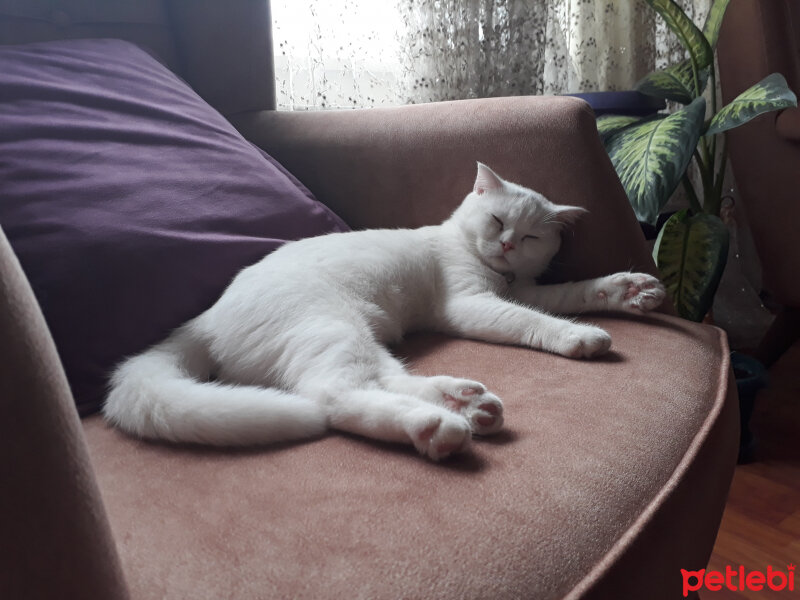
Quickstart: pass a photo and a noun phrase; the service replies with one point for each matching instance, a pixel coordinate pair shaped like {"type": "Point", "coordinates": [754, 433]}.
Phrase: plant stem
{"type": "Point", "coordinates": [715, 202]}
{"type": "Point", "coordinates": [713, 89]}
{"type": "Point", "coordinates": [695, 76]}
{"type": "Point", "coordinates": [708, 158]}
{"type": "Point", "coordinates": [713, 114]}
{"type": "Point", "coordinates": [705, 164]}
{"type": "Point", "coordinates": [694, 203]}
{"type": "Point", "coordinates": [700, 161]}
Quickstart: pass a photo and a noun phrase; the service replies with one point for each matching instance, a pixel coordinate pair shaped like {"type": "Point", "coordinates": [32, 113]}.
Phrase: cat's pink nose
{"type": "Point", "coordinates": [507, 246]}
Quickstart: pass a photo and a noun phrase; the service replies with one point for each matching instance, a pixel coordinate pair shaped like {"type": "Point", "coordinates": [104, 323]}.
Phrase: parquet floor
{"type": "Point", "coordinates": [761, 524]}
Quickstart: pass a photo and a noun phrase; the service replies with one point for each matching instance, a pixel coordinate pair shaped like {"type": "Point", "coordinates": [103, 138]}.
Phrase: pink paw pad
{"type": "Point", "coordinates": [602, 295]}
{"type": "Point", "coordinates": [445, 449]}
{"type": "Point", "coordinates": [493, 410]}
{"type": "Point", "coordinates": [428, 432]}
{"type": "Point", "coordinates": [455, 403]}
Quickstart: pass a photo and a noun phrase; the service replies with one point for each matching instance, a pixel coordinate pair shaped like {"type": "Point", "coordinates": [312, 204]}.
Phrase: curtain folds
{"type": "Point", "coordinates": [355, 53]}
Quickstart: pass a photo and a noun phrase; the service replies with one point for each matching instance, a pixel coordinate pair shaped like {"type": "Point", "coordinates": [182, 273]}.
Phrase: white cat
{"type": "Point", "coordinates": [296, 344]}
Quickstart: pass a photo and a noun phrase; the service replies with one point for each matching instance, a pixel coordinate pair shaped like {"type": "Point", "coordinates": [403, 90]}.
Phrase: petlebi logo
{"type": "Point", "coordinates": [738, 580]}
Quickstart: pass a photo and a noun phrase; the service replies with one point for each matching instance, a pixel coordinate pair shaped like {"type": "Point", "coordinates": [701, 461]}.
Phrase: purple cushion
{"type": "Point", "coordinates": [129, 201]}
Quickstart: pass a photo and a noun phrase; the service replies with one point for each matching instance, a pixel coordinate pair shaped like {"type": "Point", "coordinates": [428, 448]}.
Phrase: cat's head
{"type": "Point", "coordinates": [512, 229]}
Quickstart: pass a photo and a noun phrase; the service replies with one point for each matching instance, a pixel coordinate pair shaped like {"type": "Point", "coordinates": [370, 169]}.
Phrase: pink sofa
{"type": "Point", "coordinates": [612, 474]}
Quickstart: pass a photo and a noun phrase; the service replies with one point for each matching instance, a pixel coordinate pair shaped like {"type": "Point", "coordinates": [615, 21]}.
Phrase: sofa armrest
{"type": "Point", "coordinates": [409, 166]}
{"type": "Point", "coordinates": [56, 541]}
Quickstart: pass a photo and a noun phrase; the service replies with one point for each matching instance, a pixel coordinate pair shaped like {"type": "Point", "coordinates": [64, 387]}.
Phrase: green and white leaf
{"type": "Point", "coordinates": [688, 33]}
{"type": "Point", "coordinates": [609, 125]}
{"type": "Point", "coordinates": [650, 157]}
{"type": "Point", "coordinates": [714, 21]}
{"type": "Point", "coordinates": [691, 252]}
{"type": "Point", "coordinates": [771, 93]}
{"type": "Point", "coordinates": [673, 83]}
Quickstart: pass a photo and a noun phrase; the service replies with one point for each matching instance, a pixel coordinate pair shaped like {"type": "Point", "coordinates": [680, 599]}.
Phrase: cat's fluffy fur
{"type": "Point", "coordinates": [296, 344]}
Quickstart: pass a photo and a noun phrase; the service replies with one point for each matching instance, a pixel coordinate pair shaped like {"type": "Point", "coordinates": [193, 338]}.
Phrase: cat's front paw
{"type": "Point", "coordinates": [583, 341]}
{"type": "Point", "coordinates": [438, 434]}
{"type": "Point", "coordinates": [635, 292]}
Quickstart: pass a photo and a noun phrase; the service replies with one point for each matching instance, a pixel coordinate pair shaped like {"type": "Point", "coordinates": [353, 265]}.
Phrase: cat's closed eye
{"type": "Point", "coordinates": [533, 237]}
{"type": "Point", "coordinates": [499, 222]}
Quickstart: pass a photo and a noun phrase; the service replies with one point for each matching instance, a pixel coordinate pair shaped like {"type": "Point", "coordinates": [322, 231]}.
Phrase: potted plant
{"type": "Point", "coordinates": [651, 156]}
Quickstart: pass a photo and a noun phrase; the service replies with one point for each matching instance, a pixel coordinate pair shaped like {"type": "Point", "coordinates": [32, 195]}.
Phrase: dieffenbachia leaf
{"type": "Point", "coordinates": [688, 33]}
{"type": "Point", "coordinates": [691, 252]}
{"type": "Point", "coordinates": [650, 157]}
{"type": "Point", "coordinates": [673, 83]}
{"type": "Point", "coordinates": [609, 125]}
{"type": "Point", "coordinates": [714, 21]}
{"type": "Point", "coordinates": [771, 93]}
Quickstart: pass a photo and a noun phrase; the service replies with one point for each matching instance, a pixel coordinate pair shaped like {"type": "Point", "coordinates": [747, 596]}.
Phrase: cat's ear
{"type": "Point", "coordinates": [486, 180]}
{"type": "Point", "coordinates": [568, 214]}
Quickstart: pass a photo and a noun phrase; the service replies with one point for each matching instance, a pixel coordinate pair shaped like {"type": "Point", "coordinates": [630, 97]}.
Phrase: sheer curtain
{"type": "Point", "coordinates": [357, 53]}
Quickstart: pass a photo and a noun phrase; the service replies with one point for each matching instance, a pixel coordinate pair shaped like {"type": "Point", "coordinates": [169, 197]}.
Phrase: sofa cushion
{"type": "Point", "coordinates": [129, 201]}
{"type": "Point", "coordinates": [609, 479]}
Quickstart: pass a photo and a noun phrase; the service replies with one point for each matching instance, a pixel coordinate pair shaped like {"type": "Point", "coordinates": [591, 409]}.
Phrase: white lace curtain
{"type": "Point", "coordinates": [357, 53]}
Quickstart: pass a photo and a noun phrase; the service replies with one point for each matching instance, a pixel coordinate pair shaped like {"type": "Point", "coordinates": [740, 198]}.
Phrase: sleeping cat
{"type": "Point", "coordinates": [296, 344]}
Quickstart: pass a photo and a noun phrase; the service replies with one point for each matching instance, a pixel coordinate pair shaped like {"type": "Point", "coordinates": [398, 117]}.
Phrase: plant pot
{"type": "Point", "coordinates": [751, 376]}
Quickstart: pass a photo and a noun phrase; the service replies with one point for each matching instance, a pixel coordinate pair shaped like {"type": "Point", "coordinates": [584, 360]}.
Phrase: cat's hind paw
{"type": "Point", "coordinates": [481, 408]}
{"type": "Point", "coordinates": [438, 435]}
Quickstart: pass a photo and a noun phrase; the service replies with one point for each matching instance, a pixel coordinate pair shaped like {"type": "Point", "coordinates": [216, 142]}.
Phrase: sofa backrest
{"type": "Point", "coordinates": [232, 72]}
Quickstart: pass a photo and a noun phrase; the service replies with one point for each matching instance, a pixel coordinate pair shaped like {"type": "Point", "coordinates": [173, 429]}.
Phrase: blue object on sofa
{"type": "Point", "coordinates": [630, 103]}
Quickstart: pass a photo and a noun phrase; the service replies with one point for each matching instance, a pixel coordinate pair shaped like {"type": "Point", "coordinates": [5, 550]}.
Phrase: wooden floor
{"type": "Point", "coordinates": [761, 525]}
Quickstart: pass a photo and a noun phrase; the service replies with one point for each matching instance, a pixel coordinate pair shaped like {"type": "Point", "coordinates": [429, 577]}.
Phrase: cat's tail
{"type": "Point", "coordinates": [164, 393]}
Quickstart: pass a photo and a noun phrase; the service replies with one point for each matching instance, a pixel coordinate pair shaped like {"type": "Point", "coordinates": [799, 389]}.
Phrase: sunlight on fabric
{"type": "Point", "coordinates": [337, 54]}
